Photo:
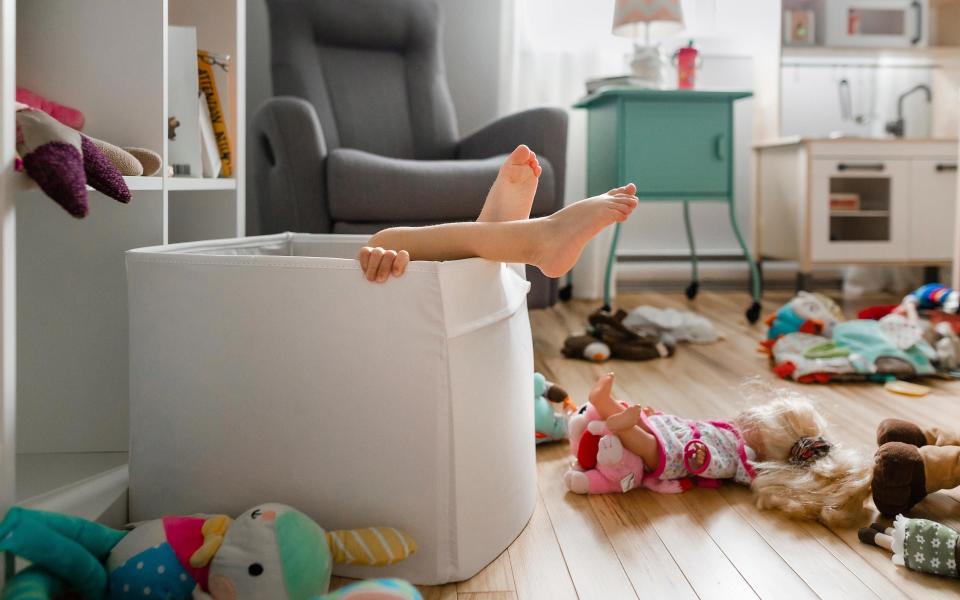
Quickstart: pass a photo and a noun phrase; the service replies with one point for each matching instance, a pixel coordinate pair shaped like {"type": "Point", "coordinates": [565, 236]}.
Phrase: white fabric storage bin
{"type": "Point", "coordinates": [268, 369]}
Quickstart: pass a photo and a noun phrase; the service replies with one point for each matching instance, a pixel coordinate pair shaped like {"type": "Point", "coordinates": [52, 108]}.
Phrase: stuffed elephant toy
{"type": "Point", "coordinates": [271, 551]}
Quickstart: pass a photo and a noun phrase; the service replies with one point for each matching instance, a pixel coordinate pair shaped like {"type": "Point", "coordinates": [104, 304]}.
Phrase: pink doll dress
{"type": "Point", "coordinates": [726, 455]}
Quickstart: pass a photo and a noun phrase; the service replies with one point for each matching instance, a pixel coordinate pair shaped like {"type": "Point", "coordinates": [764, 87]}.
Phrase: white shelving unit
{"type": "Point", "coordinates": [63, 315]}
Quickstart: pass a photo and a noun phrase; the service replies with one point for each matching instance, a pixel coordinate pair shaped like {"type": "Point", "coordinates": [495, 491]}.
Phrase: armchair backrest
{"type": "Point", "coordinates": [372, 69]}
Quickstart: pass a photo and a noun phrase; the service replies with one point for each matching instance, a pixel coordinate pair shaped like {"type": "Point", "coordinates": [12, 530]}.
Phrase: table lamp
{"type": "Point", "coordinates": [659, 18]}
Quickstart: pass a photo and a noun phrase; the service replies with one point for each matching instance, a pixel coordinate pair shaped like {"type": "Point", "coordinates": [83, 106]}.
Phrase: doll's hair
{"type": "Point", "coordinates": [830, 485]}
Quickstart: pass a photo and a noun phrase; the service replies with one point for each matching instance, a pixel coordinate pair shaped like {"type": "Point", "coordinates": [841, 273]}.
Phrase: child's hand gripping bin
{"type": "Point", "coordinates": [269, 367]}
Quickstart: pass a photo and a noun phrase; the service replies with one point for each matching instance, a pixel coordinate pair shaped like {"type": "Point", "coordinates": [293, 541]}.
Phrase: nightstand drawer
{"type": "Point", "coordinates": [677, 148]}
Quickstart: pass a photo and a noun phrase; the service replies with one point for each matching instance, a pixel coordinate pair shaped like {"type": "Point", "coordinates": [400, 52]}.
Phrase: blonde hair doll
{"type": "Point", "coordinates": [781, 449]}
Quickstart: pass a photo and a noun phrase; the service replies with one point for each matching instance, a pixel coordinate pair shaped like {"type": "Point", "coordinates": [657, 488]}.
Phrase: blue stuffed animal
{"type": "Point", "coordinates": [550, 424]}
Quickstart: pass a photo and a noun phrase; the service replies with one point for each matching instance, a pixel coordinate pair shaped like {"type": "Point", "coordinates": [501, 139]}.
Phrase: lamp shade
{"type": "Point", "coordinates": [663, 17]}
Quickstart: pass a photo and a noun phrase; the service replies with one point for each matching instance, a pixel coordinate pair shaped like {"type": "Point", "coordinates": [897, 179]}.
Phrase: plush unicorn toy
{"type": "Point", "coordinates": [269, 552]}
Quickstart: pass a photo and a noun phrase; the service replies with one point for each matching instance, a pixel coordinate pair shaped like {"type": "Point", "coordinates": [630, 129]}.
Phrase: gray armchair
{"type": "Point", "coordinates": [362, 133]}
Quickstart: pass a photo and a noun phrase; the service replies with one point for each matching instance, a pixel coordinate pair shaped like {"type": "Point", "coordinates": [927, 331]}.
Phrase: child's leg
{"type": "Point", "coordinates": [511, 196]}
{"type": "Point", "coordinates": [870, 535]}
{"type": "Point", "coordinates": [553, 244]}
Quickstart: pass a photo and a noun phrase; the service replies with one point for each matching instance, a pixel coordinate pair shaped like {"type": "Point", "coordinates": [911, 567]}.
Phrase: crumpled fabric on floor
{"type": "Point", "coordinates": [671, 324]}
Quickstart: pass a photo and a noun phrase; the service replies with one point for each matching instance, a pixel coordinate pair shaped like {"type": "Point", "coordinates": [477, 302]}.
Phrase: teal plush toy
{"type": "Point", "coordinates": [269, 552]}
{"type": "Point", "coordinates": [806, 313]}
{"type": "Point", "coordinates": [550, 425]}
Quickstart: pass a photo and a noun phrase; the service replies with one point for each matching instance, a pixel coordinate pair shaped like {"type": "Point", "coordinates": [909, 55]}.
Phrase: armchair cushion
{"type": "Point", "coordinates": [367, 188]}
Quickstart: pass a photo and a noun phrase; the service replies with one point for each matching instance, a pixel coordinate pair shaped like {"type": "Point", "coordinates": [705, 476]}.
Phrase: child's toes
{"type": "Point", "coordinates": [364, 257]}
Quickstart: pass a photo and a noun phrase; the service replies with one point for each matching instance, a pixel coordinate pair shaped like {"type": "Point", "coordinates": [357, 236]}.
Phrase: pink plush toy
{"type": "Point", "coordinates": [601, 464]}
{"type": "Point", "coordinates": [70, 117]}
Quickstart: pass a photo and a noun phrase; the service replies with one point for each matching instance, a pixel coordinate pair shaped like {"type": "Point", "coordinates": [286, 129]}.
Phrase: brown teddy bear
{"type": "Point", "coordinates": [912, 462]}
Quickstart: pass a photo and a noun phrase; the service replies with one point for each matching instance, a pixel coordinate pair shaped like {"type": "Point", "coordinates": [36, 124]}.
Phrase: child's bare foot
{"type": "Point", "coordinates": [378, 264]}
{"type": "Point", "coordinates": [626, 419]}
{"type": "Point", "coordinates": [511, 196]}
{"type": "Point", "coordinates": [566, 232]}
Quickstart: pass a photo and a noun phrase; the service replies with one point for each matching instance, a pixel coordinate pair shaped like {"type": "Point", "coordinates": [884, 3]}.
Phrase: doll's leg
{"type": "Point", "coordinates": [633, 437]}
{"type": "Point", "coordinates": [553, 244]}
{"type": "Point", "coordinates": [869, 535]}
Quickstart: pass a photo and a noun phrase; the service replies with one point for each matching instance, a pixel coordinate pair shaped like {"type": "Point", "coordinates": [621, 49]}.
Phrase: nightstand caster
{"type": "Point", "coordinates": [753, 313]}
{"type": "Point", "coordinates": [566, 293]}
{"type": "Point", "coordinates": [692, 290]}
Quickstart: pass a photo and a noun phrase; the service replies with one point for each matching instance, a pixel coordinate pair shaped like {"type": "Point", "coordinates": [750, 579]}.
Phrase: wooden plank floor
{"type": "Point", "coordinates": [704, 543]}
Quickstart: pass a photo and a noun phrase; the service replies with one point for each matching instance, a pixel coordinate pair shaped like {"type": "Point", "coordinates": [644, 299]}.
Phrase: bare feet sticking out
{"type": "Point", "coordinates": [570, 228]}
{"type": "Point", "coordinates": [553, 244]}
{"type": "Point", "coordinates": [511, 196]}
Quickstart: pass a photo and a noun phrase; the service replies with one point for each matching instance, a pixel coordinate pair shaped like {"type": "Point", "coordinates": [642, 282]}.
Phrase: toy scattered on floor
{"type": "Point", "coordinates": [63, 161]}
{"type": "Point", "coordinates": [779, 448]}
{"type": "Point", "coordinates": [905, 388]}
{"type": "Point", "coordinates": [807, 312]}
{"type": "Point", "coordinates": [934, 295]}
{"type": "Point", "coordinates": [918, 544]}
{"type": "Point", "coordinates": [601, 465]}
{"type": "Point", "coordinates": [70, 117]}
{"type": "Point", "coordinates": [270, 551]}
{"type": "Point", "coordinates": [552, 408]}
{"type": "Point", "coordinates": [912, 462]}
{"type": "Point", "coordinates": [607, 337]}
{"type": "Point", "coordinates": [826, 348]}
{"type": "Point", "coordinates": [671, 325]}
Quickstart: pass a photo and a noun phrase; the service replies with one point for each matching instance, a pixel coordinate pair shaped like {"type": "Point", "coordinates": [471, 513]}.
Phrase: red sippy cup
{"type": "Point", "coordinates": [686, 66]}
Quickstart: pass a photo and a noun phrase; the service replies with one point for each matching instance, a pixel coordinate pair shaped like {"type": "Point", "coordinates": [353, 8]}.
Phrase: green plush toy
{"type": "Point", "coordinates": [549, 424]}
{"type": "Point", "coordinates": [269, 552]}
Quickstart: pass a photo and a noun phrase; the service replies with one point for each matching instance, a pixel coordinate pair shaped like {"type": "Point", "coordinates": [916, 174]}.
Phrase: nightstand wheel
{"type": "Point", "coordinates": [692, 290]}
{"type": "Point", "coordinates": [753, 313]}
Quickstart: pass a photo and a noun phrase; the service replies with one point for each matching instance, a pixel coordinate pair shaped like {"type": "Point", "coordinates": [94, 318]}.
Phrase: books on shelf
{"type": "Point", "coordinates": [213, 69]}
{"type": "Point", "coordinates": [199, 142]}
{"type": "Point", "coordinates": [183, 118]}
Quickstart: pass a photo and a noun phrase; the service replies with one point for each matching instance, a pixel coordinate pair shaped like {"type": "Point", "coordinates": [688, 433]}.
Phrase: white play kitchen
{"type": "Point", "coordinates": [825, 202]}
{"type": "Point", "coordinates": [863, 168]}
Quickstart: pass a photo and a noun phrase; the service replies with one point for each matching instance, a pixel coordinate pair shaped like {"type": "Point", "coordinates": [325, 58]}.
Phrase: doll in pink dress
{"type": "Point", "coordinates": [777, 448]}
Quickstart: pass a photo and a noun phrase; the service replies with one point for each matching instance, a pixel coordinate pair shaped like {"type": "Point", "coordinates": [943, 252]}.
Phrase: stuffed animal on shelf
{"type": "Point", "coordinates": [271, 551]}
{"type": "Point", "coordinates": [917, 544]}
{"type": "Point", "coordinates": [549, 424]}
{"type": "Point", "coordinates": [70, 117]}
{"type": "Point", "coordinates": [778, 448]}
{"type": "Point", "coordinates": [63, 161]}
{"type": "Point", "coordinates": [912, 462]}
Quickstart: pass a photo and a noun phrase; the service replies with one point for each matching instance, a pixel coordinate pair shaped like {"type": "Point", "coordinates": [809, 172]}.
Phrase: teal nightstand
{"type": "Point", "coordinates": [677, 146]}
